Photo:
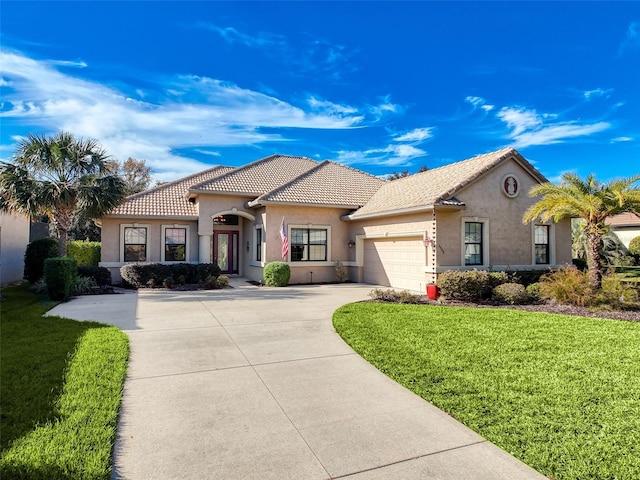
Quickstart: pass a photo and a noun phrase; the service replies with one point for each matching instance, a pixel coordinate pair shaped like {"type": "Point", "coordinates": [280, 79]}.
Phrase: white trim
{"type": "Point", "coordinates": [517, 185]}
{"type": "Point", "coordinates": [486, 261]}
{"type": "Point", "coordinates": [312, 263]}
{"type": "Point", "coordinates": [234, 211]}
{"type": "Point", "coordinates": [147, 239]}
{"type": "Point", "coordinates": [253, 263]}
{"type": "Point", "coordinates": [552, 244]}
{"type": "Point", "coordinates": [499, 268]}
{"type": "Point", "coordinates": [187, 248]}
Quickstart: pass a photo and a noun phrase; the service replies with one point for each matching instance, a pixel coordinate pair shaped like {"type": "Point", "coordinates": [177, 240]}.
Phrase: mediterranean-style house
{"type": "Point", "coordinates": [626, 226]}
{"type": "Point", "coordinates": [14, 237]}
{"type": "Point", "coordinates": [398, 233]}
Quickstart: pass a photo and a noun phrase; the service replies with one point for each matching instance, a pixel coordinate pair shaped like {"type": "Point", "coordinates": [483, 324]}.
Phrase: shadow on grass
{"type": "Point", "coordinates": [34, 352]}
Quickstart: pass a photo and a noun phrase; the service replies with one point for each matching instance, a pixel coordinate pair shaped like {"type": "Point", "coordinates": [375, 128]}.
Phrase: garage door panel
{"type": "Point", "coordinates": [398, 263]}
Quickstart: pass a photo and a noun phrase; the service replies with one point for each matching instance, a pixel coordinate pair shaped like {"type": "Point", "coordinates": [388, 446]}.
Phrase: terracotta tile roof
{"type": "Point", "coordinates": [167, 200]}
{"type": "Point", "coordinates": [329, 183]}
{"type": "Point", "coordinates": [624, 220]}
{"type": "Point", "coordinates": [436, 186]}
{"type": "Point", "coordinates": [258, 177]}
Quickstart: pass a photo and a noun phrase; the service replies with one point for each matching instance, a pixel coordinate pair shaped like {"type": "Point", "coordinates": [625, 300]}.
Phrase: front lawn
{"type": "Point", "coordinates": [61, 389]}
{"type": "Point", "coordinates": [560, 393]}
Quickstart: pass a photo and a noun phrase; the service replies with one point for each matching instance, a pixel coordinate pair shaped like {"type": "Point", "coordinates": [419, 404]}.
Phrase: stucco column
{"type": "Point", "coordinates": [204, 248]}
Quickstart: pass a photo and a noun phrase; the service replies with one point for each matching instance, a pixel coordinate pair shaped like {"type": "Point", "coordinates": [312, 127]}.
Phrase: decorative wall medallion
{"type": "Point", "coordinates": [510, 185]}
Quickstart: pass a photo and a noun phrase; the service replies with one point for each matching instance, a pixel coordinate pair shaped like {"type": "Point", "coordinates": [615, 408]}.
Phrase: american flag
{"type": "Point", "coordinates": [285, 240]}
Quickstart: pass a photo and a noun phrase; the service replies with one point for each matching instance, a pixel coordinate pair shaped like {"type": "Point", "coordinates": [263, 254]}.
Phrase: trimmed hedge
{"type": "Point", "coordinates": [60, 274]}
{"type": "Point", "coordinates": [35, 255]}
{"type": "Point", "coordinates": [511, 293]}
{"type": "Point", "coordinates": [470, 285]}
{"type": "Point", "coordinates": [101, 275]}
{"type": "Point", "coordinates": [277, 274]}
{"type": "Point", "coordinates": [154, 274]}
{"type": "Point", "coordinates": [86, 253]}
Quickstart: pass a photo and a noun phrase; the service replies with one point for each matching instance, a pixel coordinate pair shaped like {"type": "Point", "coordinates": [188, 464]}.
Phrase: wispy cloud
{"type": "Point", "coordinates": [415, 135]}
{"type": "Point", "coordinates": [622, 139]}
{"type": "Point", "coordinates": [598, 92]}
{"type": "Point", "coordinates": [479, 102]}
{"type": "Point", "coordinates": [632, 39]}
{"type": "Point", "coordinates": [391, 156]}
{"type": "Point", "coordinates": [233, 36]}
{"type": "Point", "coordinates": [187, 112]}
{"type": "Point", "coordinates": [530, 128]}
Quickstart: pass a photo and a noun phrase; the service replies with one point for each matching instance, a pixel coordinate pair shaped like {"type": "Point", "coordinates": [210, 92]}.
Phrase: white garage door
{"type": "Point", "coordinates": [397, 263]}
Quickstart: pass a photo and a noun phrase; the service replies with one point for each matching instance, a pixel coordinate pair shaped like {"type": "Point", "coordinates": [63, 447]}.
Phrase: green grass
{"type": "Point", "coordinates": [60, 392]}
{"type": "Point", "coordinates": [560, 393]}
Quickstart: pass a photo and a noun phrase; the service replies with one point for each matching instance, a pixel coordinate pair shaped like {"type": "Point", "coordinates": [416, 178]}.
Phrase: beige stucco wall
{"type": "Point", "coordinates": [110, 238]}
{"type": "Point", "coordinates": [14, 237]}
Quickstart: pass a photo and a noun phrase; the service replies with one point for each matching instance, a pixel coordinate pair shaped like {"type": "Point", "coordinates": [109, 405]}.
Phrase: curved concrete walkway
{"type": "Point", "coordinates": [254, 383]}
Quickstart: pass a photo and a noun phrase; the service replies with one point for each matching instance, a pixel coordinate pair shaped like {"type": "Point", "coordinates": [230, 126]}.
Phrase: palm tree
{"type": "Point", "coordinates": [59, 176]}
{"type": "Point", "coordinates": [589, 200]}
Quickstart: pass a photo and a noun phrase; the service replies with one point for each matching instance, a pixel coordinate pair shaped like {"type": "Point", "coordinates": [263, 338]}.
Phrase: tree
{"type": "Point", "coordinates": [59, 176]}
{"type": "Point", "coordinates": [136, 175]}
{"type": "Point", "coordinates": [591, 201]}
{"type": "Point", "coordinates": [405, 173]}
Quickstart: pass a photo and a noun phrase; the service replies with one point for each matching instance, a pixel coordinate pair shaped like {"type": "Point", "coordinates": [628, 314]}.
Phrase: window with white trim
{"type": "Point", "coordinates": [473, 243]}
{"type": "Point", "coordinates": [135, 243]}
{"type": "Point", "coordinates": [175, 243]}
{"type": "Point", "coordinates": [542, 244]}
{"type": "Point", "coordinates": [309, 244]}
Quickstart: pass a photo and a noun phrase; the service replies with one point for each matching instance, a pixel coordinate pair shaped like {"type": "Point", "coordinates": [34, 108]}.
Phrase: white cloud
{"type": "Point", "coordinates": [233, 36]}
{"type": "Point", "coordinates": [632, 39]}
{"type": "Point", "coordinates": [192, 112]}
{"type": "Point", "coordinates": [598, 92]}
{"type": "Point", "coordinates": [416, 135]}
{"type": "Point", "coordinates": [529, 128]}
{"type": "Point", "coordinates": [479, 102]}
{"type": "Point", "coordinates": [392, 155]}
{"type": "Point", "coordinates": [622, 139]}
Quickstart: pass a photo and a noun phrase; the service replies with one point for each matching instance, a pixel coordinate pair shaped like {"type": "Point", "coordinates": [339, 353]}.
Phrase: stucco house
{"type": "Point", "coordinates": [626, 226]}
{"type": "Point", "coordinates": [399, 233]}
{"type": "Point", "coordinates": [14, 238]}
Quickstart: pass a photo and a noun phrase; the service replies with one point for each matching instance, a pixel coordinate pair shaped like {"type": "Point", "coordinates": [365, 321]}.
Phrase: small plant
{"type": "Point", "coordinates": [100, 275]}
{"type": "Point", "coordinates": [568, 286]}
{"type": "Point", "coordinates": [391, 296]}
{"type": "Point", "coordinates": [616, 294]}
{"type": "Point", "coordinates": [533, 290]}
{"type": "Point", "coordinates": [223, 281]}
{"type": "Point", "coordinates": [85, 285]}
{"type": "Point", "coordinates": [342, 273]}
{"type": "Point", "coordinates": [211, 283]}
{"type": "Point", "coordinates": [181, 280]}
{"type": "Point", "coordinates": [277, 274]}
{"type": "Point", "coordinates": [168, 282]}
{"type": "Point", "coordinates": [634, 245]}
{"type": "Point", "coordinates": [511, 293]}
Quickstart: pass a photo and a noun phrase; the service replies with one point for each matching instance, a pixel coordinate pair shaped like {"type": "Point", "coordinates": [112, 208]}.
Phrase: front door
{"type": "Point", "coordinates": [225, 251]}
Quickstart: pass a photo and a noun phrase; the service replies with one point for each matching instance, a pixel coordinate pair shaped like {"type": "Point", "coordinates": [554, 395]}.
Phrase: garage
{"type": "Point", "coordinates": [395, 262]}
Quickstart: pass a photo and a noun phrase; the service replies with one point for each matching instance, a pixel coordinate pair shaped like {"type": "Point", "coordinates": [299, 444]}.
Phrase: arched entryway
{"type": "Point", "coordinates": [227, 233]}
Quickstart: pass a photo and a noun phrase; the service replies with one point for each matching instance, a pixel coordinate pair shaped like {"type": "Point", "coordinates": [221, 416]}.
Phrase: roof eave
{"type": "Point", "coordinates": [263, 203]}
{"type": "Point", "coordinates": [152, 217]}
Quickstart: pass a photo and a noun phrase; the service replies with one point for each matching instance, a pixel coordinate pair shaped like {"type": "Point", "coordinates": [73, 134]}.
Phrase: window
{"type": "Point", "coordinates": [473, 247]}
{"type": "Point", "coordinates": [258, 244]}
{"type": "Point", "coordinates": [175, 244]}
{"type": "Point", "coordinates": [541, 244]}
{"type": "Point", "coordinates": [135, 244]}
{"type": "Point", "coordinates": [308, 244]}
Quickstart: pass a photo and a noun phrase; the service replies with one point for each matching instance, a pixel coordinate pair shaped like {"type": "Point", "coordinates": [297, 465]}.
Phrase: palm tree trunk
{"type": "Point", "coordinates": [61, 219]}
{"type": "Point", "coordinates": [593, 261]}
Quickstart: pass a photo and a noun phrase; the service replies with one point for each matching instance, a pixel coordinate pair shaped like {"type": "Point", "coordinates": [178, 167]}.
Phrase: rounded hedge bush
{"type": "Point", "coordinates": [634, 245]}
{"type": "Point", "coordinates": [511, 293]}
{"type": "Point", "coordinates": [277, 274]}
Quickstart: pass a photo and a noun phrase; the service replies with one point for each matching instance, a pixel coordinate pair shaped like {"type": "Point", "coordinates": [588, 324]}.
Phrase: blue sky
{"type": "Point", "coordinates": [380, 86]}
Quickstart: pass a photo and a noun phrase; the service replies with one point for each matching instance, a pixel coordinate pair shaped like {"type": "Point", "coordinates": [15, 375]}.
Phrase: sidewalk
{"type": "Point", "coordinates": [254, 383]}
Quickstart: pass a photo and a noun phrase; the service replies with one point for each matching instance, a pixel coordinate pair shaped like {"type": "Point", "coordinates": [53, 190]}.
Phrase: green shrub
{"type": "Point", "coordinates": [153, 274]}
{"type": "Point", "coordinates": [277, 274]}
{"type": "Point", "coordinates": [634, 245]}
{"type": "Point", "coordinates": [511, 293]}
{"type": "Point", "coordinates": [616, 294]}
{"type": "Point", "coordinates": [168, 282]}
{"type": "Point", "coordinates": [392, 296]}
{"type": "Point", "coordinates": [567, 285]}
{"type": "Point", "coordinates": [211, 282]}
{"type": "Point", "coordinates": [527, 277]}
{"type": "Point", "coordinates": [60, 275]}
{"type": "Point", "coordinates": [100, 275]}
{"type": "Point", "coordinates": [86, 253]}
{"type": "Point", "coordinates": [85, 285]}
{"type": "Point", "coordinates": [470, 285]}
{"type": "Point", "coordinates": [533, 290]}
{"type": "Point", "coordinates": [580, 264]}
{"type": "Point", "coordinates": [35, 255]}
{"type": "Point", "coordinates": [223, 281]}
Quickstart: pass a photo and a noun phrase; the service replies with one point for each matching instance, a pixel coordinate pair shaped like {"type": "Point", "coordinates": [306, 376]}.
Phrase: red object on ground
{"type": "Point", "coordinates": [433, 292]}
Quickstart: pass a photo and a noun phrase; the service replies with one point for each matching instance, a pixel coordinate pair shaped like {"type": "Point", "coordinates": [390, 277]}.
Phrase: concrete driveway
{"type": "Point", "coordinates": [254, 383]}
